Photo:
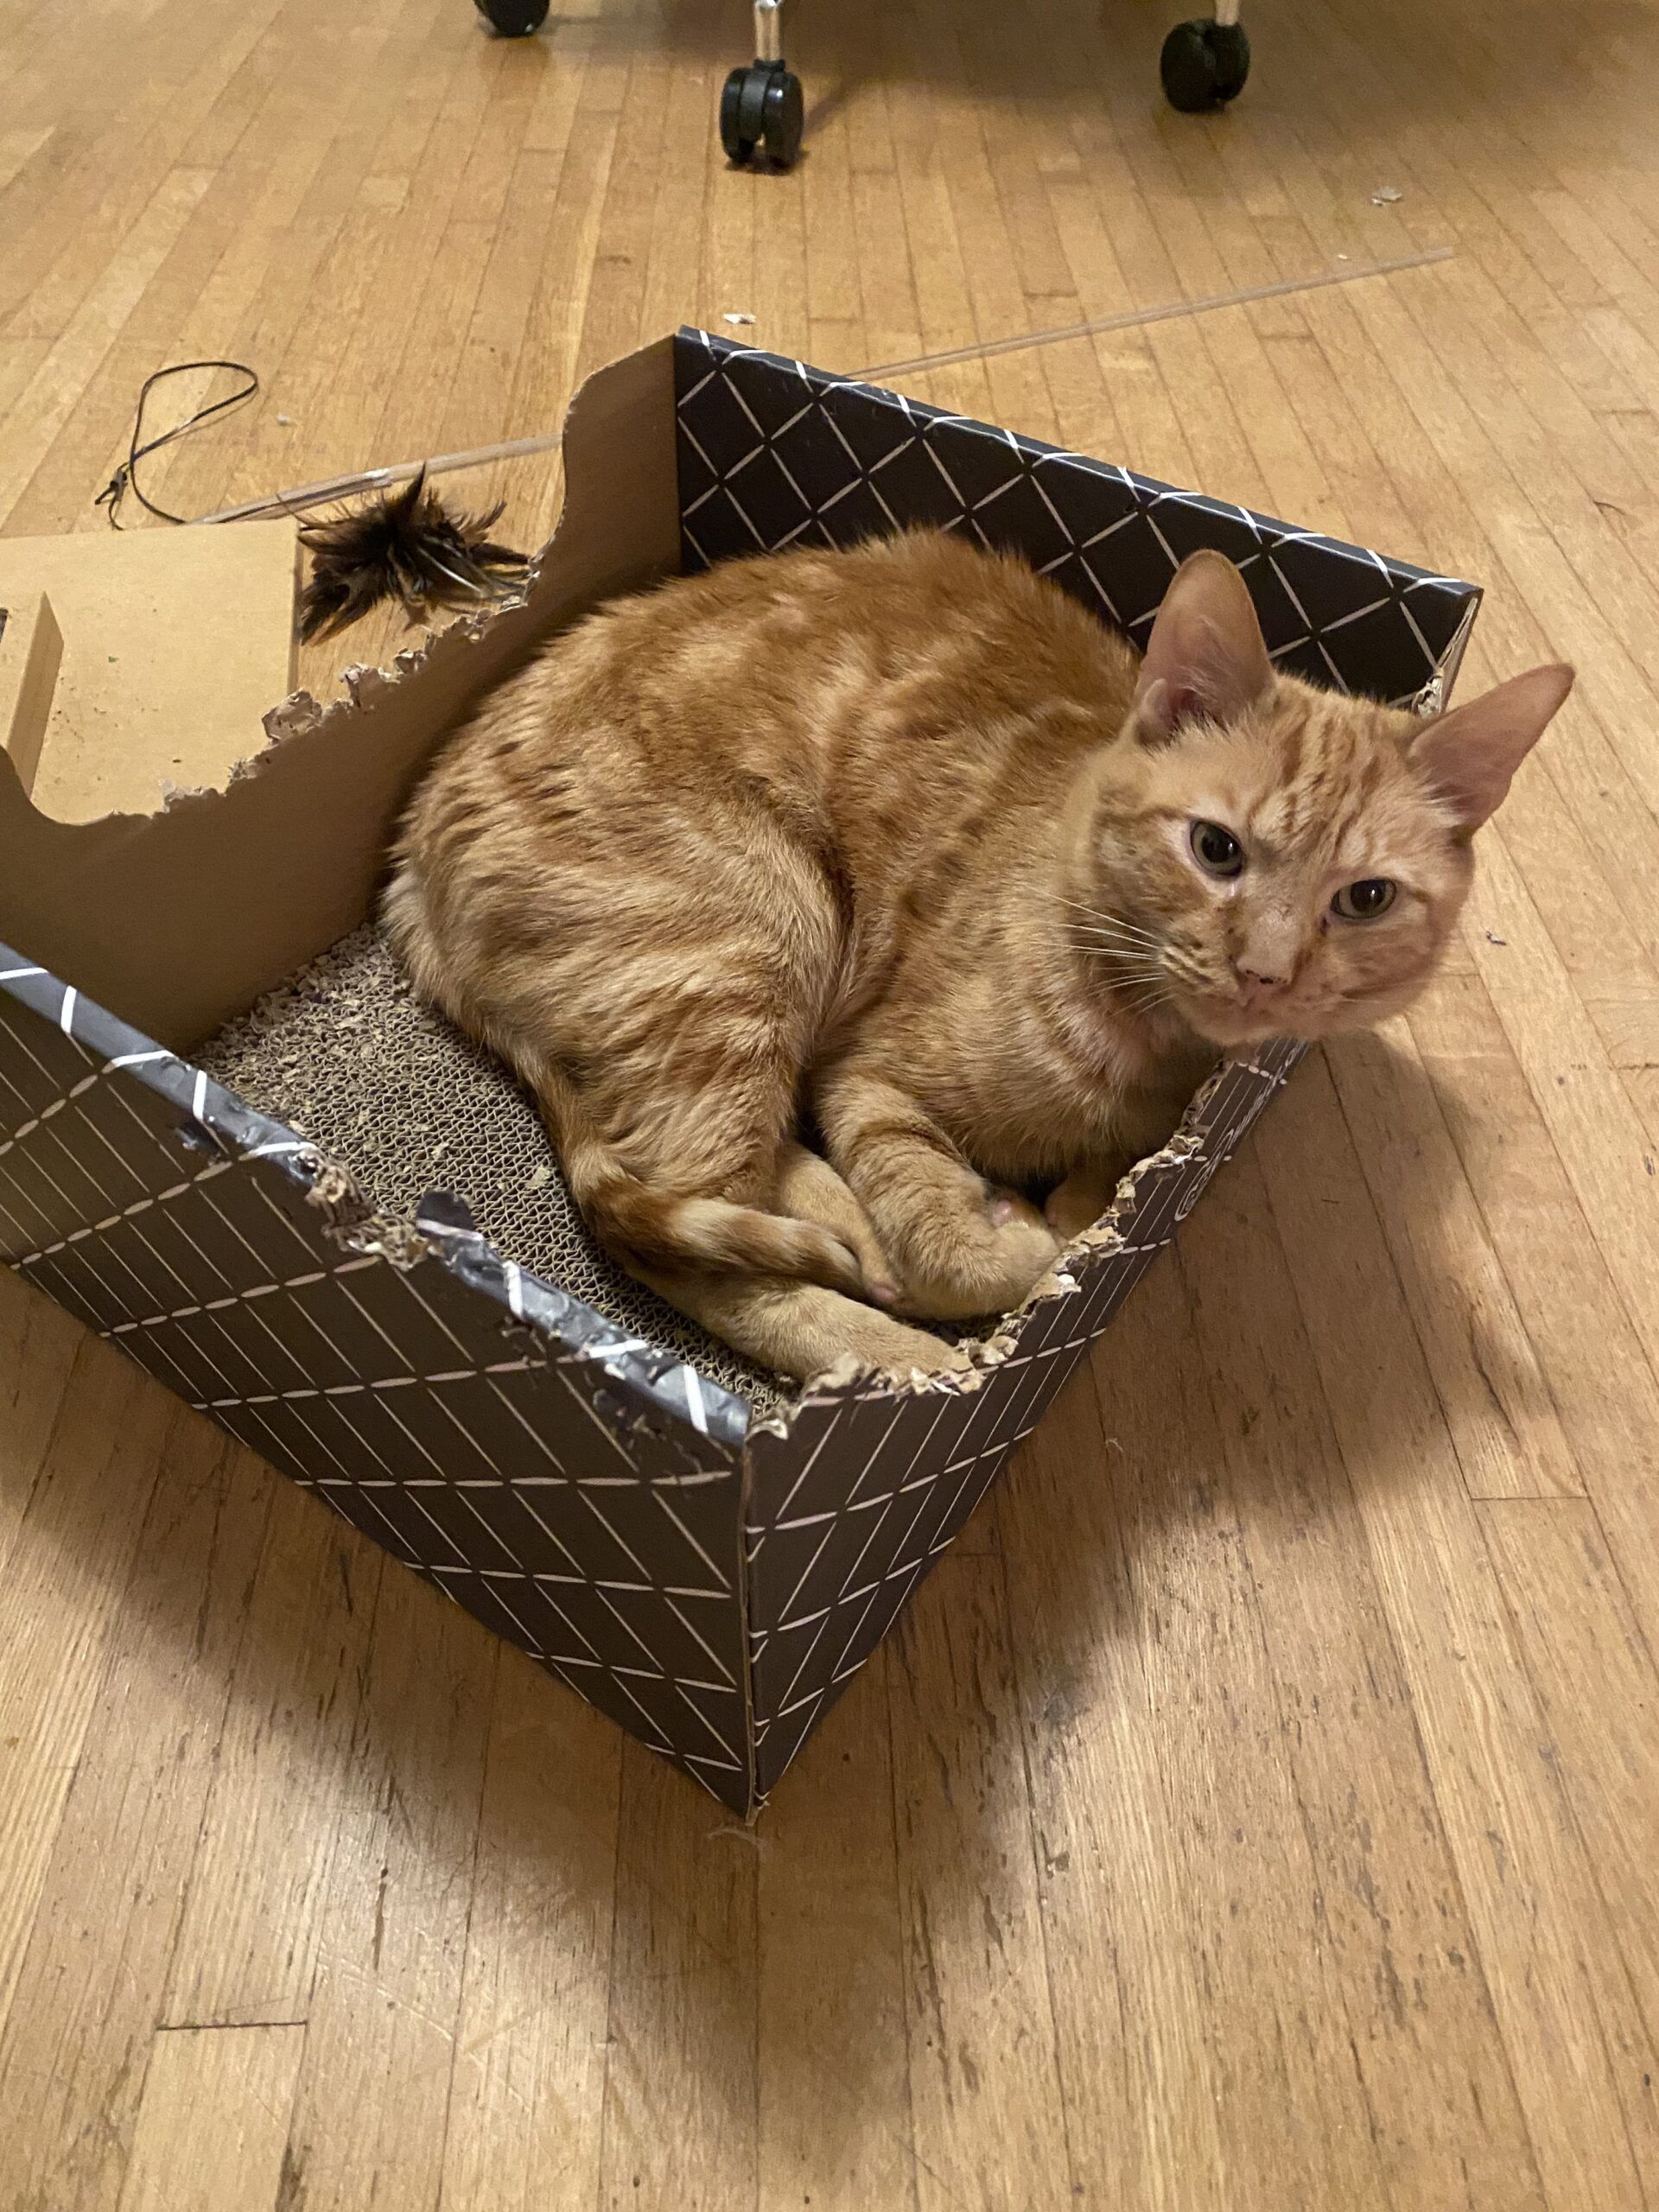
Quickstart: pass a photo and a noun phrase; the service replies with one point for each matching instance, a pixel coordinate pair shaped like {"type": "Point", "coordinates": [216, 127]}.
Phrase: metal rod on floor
{"type": "Point", "coordinates": [1134, 318]}
{"type": "Point", "coordinates": [373, 479]}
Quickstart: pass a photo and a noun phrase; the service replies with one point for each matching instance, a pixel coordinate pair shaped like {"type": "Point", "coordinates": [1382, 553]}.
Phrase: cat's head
{"type": "Point", "coordinates": [1267, 859]}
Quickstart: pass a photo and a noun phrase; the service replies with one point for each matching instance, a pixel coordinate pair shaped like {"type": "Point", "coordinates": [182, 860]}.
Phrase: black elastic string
{"type": "Point", "coordinates": [125, 478]}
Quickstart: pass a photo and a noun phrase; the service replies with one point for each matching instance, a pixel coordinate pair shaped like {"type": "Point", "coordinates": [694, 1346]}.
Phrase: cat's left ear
{"type": "Point", "coordinates": [1205, 658]}
{"type": "Point", "coordinates": [1470, 754]}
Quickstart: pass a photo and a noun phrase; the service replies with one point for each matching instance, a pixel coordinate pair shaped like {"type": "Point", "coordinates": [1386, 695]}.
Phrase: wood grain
{"type": "Point", "coordinates": [243, 2078]}
{"type": "Point", "coordinates": [831, 2002]}
{"type": "Point", "coordinates": [985, 2092]}
{"type": "Point", "coordinates": [681, 2029]}
{"type": "Point", "coordinates": [246, 1949]}
{"type": "Point", "coordinates": [1258, 1811]}
{"type": "Point", "coordinates": [527, 2082]}
{"type": "Point", "coordinates": [81, 2027]}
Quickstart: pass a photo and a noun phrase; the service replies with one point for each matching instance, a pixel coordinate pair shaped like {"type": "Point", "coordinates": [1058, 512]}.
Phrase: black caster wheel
{"type": "Point", "coordinates": [761, 109]}
{"type": "Point", "coordinates": [513, 18]}
{"type": "Point", "coordinates": [1204, 65]}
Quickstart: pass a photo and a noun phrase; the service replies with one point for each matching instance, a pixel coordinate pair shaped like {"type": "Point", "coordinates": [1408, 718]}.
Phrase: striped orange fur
{"type": "Point", "coordinates": [840, 909]}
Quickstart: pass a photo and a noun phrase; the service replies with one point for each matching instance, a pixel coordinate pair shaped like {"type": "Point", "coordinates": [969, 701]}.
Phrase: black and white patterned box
{"type": "Point", "coordinates": [708, 1576]}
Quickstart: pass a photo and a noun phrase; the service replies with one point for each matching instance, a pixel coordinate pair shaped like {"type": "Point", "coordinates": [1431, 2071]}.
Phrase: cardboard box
{"type": "Point", "coordinates": [173, 645]}
{"type": "Point", "coordinates": [709, 1575]}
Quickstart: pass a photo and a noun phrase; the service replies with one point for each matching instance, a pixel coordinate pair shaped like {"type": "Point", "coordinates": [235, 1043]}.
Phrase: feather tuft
{"type": "Point", "coordinates": [404, 546]}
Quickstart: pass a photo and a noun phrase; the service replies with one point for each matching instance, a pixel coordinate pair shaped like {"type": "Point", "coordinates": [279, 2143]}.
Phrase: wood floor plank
{"type": "Point", "coordinates": [244, 2078]}
{"type": "Point", "coordinates": [679, 2128]}
{"type": "Point", "coordinates": [1594, 1675]}
{"type": "Point", "coordinates": [371, 2106]}
{"type": "Point", "coordinates": [526, 2088]}
{"type": "Point", "coordinates": [89, 1982]}
{"type": "Point", "coordinates": [833, 2089]}
{"type": "Point", "coordinates": [69, 1562]}
{"type": "Point", "coordinates": [1601, 1141]}
{"type": "Point", "coordinates": [1135, 2018]}
{"type": "Point", "coordinates": [670, 286]}
{"type": "Point", "coordinates": [100, 198]}
{"type": "Point", "coordinates": [1309, 1899]}
{"type": "Point", "coordinates": [18, 149]}
{"type": "Point", "coordinates": [1505, 1426]}
{"type": "Point", "coordinates": [43, 404]}
{"type": "Point", "coordinates": [986, 2101]}
{"type": "Point", "coordinates": [1547, 1952]}
{"type": "Point", "coordinates": [255, 1887]}
{"type": "Point", "coordinates": [39, 1343]}
{"type": "Point", "coordinates": [1597, 1374]}
{"type": "Point", "coordinates": [1438, 2105]}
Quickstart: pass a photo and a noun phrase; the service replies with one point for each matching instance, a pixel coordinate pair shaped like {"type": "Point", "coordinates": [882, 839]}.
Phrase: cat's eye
{"type": "Point", "coordinates": [1365, 901]}
{"type": "Point", "coordinates": [1217, 851]}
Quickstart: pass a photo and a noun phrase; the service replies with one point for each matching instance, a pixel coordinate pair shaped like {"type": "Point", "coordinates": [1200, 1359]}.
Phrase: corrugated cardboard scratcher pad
{"type": "Point", "coordinates": [347, 1055]}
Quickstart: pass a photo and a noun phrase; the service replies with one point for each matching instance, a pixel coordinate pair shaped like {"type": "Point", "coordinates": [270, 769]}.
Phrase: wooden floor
{"type": "Point", "coordinates": [1259, 1808]}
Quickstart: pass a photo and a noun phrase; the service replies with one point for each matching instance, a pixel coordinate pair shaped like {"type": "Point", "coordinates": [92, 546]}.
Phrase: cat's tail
{"type": "Point", "coordinates": [672, 1232]}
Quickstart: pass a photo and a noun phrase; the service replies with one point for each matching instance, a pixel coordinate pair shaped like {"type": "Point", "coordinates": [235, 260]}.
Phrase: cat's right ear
{"type": "Point", "coordinates": [1205, 657]}
{"type": "Point", "coordinates": [1470, 753]}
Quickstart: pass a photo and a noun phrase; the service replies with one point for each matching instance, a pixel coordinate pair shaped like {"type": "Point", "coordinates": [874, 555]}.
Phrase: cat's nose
{"type": "Point", "coordinates": [1259, 983]}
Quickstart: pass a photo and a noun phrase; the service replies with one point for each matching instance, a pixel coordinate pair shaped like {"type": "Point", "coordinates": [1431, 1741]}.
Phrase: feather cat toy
{"type": "Point", "coordinates": [405, 546]}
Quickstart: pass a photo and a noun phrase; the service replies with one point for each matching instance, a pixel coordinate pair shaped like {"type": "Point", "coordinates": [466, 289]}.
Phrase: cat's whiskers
{"type": "Point", "coordinates": [1117, 932]}
{"type": "Point", "coordinates": [1142, 979]}
{"type": "Point", "coordinates": [1101, 917]}
{"type": "Point", "coordinates": [1135, 984]}
{"type": "Point", "coordinates": [1131, 970]}
{"type": "Point", "coordinates": [1129, 955]}
{"type": "Point", "coordinates": [1113, 933]}
{"type": "Point", "coordinates": [1092, 941]}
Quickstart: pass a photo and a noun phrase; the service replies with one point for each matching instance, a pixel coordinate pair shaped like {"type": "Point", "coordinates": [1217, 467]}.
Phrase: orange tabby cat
{"type": "Point", "coordinates": [827, 901]}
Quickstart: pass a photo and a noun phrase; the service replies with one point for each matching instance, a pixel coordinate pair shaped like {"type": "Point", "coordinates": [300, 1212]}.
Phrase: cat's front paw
{"type": "Point", "coordinates": [991, 1263]}
{"type": "Point", "coordinates": [898, 1355]}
